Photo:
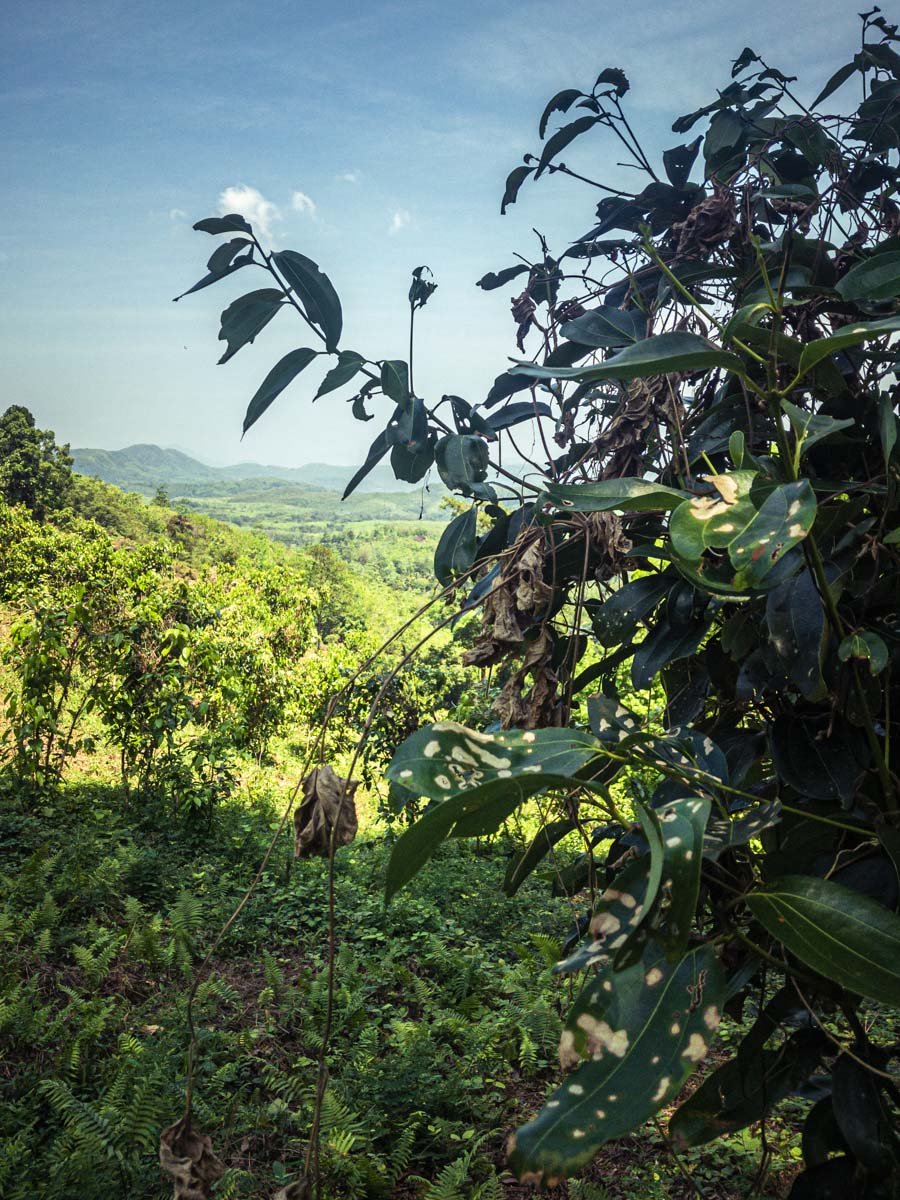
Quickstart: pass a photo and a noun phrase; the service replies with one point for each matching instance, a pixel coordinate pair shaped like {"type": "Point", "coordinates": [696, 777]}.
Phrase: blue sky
{"type": "Point", "coordinates": [372, 137]}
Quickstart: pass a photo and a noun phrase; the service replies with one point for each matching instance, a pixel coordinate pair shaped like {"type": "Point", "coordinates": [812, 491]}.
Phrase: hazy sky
{"type": "Point", "coordinates": [372, 136]}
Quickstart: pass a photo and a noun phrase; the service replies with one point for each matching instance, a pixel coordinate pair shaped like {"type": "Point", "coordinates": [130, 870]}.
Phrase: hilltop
{"type": "Point", "coordinates": [144, 467]}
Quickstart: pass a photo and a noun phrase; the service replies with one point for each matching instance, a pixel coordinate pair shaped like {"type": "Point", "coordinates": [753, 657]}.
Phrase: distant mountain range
{"type": "Point", "coordinates": [144, 468]}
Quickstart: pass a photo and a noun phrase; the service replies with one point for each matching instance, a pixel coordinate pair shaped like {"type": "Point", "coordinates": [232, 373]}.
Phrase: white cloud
{"type": "Point", "coordinates": [301, 203]}
{"type": "Point", "coordinates": [347, 177]}
{"type": "Point", "coordinates": [252, 204]}
{"type": "Point", "coordinates": [177, 214]}
{"type": "Point", "coordinates": [399, 220]}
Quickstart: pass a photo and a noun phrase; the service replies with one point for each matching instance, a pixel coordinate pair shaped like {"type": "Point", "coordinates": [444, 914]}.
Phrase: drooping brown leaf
{"type": "Point", "coordinates": [187, 1155]}
{"type": "Point", "coordinates": [327, 804]}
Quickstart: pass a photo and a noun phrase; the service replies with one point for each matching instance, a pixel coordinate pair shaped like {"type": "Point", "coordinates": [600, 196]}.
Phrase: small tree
{"type": "Point", "coordinates": [715, 517]}
{"type": "Point", "coordinates": [34, 470]}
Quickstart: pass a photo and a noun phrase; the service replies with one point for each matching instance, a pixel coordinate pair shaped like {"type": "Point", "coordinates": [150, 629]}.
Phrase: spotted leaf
{"type": "Point", "coordinates": [478, 779]}
{"type": "Point", "coordinates": [637, 1034]}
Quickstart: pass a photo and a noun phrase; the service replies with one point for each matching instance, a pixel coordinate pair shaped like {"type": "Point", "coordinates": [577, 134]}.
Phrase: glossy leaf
{"type": "Point", "coordinates": [864, 644]}
{"type": "Point", "coordinates": [315, 292]}
{"type": "Point", "coordinates": [756, 532]}
{"type": "Point", "coordinates": [276, 381]}
{"type": "Point", "coordinates": [616, 620]}
{"type": "Point", "coordinates": [606, 495]}
{"type": "Point", "coordinates": [839, 933]}
{"type": "Point", "coordinates": [245, 317]}
{"type": "Point", "coordinates": [455, 551]}
{"type": "Point", "coordinates": [606, 327]}
{"type": "Point", "coordinates": [813, 427]}
{"type": "Point", "coordinates": [640, 1041]}
{"type": "Point", "coordinates": [659, 355]}
{"type": "Point", "coordinates": [875, 278]}
{"type": "Point", "coordinates": [848, 335]}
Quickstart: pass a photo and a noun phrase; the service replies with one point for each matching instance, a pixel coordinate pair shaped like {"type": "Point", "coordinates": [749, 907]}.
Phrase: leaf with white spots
{"type": "Point", "coordinates": [617, 912]}
{"type": "Point", "coordinates": [755, 523]}
{"type": "Point", "coordinates": [722, 835]}
{"type": "Point", "coordinates": [478, 779]}
{"type": "Point", "coordinates": [683, 823]}
{"type": "Point", "coordinates": [746, 1088]}
{"type": "Point", "coordinates": [637, 1040]}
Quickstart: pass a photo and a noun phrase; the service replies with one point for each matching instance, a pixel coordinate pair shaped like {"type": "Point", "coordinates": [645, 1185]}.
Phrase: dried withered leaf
{"type": "Point", "coordinates": [327, 804]}
{"type": "Point", "coordinates": [187, 1155]}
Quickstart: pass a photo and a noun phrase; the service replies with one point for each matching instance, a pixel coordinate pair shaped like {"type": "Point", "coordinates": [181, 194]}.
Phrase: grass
{"type": "Point", "coordinates": [447, 1016]}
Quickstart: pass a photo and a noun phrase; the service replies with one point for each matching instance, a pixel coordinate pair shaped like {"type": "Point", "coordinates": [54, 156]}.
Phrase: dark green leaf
{"type": "Point", "coordinates": [839, 78]}
{"type": "Point", "coordinates": [233, 223]}
{"type": "Point", "coordinates": [222, 256]}
{"type": "Point", "coordinates": [455, 551]}
{"type": "Point", "coordinates": [245, 260]}
{"type": "Point", "coordinates": [678, 161]}
{"type": "Point", "coordinates": [349, 364]}
{"type": "Point", "coordinates": [462, 461]}
{"type": "Point", "coordinates": [875, 278]}
{"type": "Point", "coordinates": [276, 381]}
{"type": "Point", "coordinates": [825, 763]}
{"type": "Point", "coordinates": [796, 622]}
{"type": "Point", "coordinates": [626, 495]}
{"type": "Point", "coordinates": [616, 620]}
{"type": "Point", "coordinates": [561, 102]}
{"type": "Point", "coordinates": [562, 138]}
{"type": "Point", "coordinates": [722, 835]}
{"type": "Point", "coordinates": [848, 335]}
{"type": "Point", "coordinates": [839, 933]}
{"type": "Point", "coordinates": [514, 181]}
{"type": "Point", "coordinates": [515, 414]}
{"type": "Point", "coordinates": [377, 451]}
{"type": "Point", "coordinates": [243, 319]}
{"type": "Point", "coordinates": [606, 327]}
{"type": "Point", "coordinates": [467, 772]}
{"type": "Point", "coordinates": [864, 1116]}
{"type": "Point", "coordinates": [315, 292]}
{"type": "Point", "coordinates": [497, 279]}
{"type": "Point", "coordinates": [641, 1042]}
{"type": "Point", "coordinates": [887, 425]}
{"type": "Point", "coordinates": [864, 644]}
{"type": "Point", "coordinates": [813, 427]}
{"type": "Point", "coordinates": [615, 78]}
{"type": "Point", "coordinates": [395, 381]}
{"type": "Point", "coordinates": [745, 1089]}
{"type": "Point", "coordinates": [422, 287]}
{"type": "Point", "coordinates": [659, 355]}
